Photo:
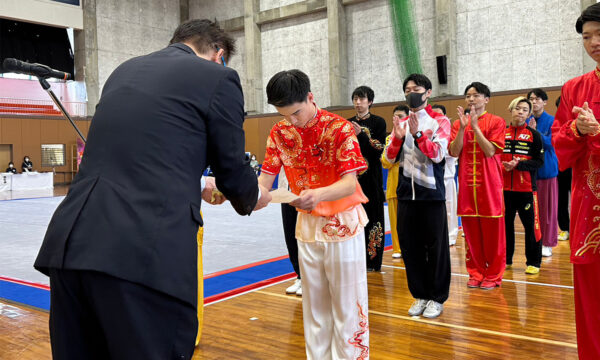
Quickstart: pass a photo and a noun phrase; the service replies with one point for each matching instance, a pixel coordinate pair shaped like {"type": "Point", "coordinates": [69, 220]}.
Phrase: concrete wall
{"type": "Point", "coordinates": [371, 53]}
{"type": "Point", "coordinates": [271, 4]}
{"type": "Point", "coordinates": [126, 29]}
{"type": "Point", "coordinates": [220, 10]}
{"type": "Point", "coordinates": [298, 43]}
{"type": "Point", "coordinates": [513, 44]}
{"type": "Point", "coordinates": [507, 44]}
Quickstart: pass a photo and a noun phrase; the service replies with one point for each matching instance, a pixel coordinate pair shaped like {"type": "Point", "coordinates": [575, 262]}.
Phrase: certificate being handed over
{"type": "Point", "coordinates": [283, 196]}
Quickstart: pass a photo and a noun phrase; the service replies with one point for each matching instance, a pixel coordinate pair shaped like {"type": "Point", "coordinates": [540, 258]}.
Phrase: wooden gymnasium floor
{"type": "Point", "coordinates": [529, 317]}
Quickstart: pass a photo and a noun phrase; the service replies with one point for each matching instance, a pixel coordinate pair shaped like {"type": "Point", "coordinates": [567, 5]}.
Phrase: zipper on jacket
{"type": "Point", "coordinates": [512, 154]}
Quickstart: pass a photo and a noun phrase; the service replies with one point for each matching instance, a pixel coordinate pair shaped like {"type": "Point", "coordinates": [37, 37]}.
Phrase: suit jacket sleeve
{"type": "Point", "coordinates": [226, 145]}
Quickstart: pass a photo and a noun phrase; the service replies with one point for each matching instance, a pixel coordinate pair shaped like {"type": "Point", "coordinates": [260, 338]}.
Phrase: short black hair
{"type": "Point", "coordinates": [419, 79]}
{"type": "Point", "coordinates": [362, 92]}
{"type": "Point", "coordinates": [591, 13]}
{"type": "Point", "coordinates": [439, 106]}
{"type": "Point", "coordinates": [539, 93]}
{"type": "Point", "coordinates": [557, 101]}
{"type": "Point", "coordinates": [401, 107]}
{"type": "Point", "coordinates": [204, 35]}
{"type": "Point", "coordinates": [480, 88]}
{"type": "Point", "coordinates": [288, 87]}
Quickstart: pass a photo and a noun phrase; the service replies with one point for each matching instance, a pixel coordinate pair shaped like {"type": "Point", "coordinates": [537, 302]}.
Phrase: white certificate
{"type": "Point", "coordinates": [282, 195]}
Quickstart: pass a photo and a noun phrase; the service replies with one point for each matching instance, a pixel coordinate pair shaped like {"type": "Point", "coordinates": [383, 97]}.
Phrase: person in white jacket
{"type": "Point", "coordinates": [420, 146]}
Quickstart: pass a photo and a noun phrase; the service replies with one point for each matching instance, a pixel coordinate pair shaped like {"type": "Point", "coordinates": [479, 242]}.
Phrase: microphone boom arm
{"type": "Point", "coordinates": [46, 86]}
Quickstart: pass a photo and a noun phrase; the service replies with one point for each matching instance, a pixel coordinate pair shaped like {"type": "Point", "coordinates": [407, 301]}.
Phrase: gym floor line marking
{"type": "Point", "coordinates": [438, 323]}
{"type": "Point", "coordinates": [507, 280]}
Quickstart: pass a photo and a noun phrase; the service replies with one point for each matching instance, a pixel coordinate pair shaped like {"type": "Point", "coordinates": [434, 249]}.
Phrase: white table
{"type": "Point", "coordinates": [26, 181]}
{"type": "Point", "coordinates": [5, 181]}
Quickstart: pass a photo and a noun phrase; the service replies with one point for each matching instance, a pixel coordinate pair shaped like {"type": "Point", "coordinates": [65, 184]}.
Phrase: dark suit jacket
{"type": "Point", "coordinates": [133, 209]}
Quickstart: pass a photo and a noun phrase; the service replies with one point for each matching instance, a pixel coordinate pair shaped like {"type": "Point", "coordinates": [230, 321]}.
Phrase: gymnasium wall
{"type": "Point", "coordinates": [507, 44]}
{"type": "Point", "coordinates": [27, 134]}
{"type": "Point", "coordinates": [126, 29]}
{"type": "Point", "coordinates": [513, 44]}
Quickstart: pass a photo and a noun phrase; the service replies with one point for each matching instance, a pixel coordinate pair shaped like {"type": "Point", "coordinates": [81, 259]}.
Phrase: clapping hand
{"type": "Point", "coordinates": [413, 123]}
{"type": "Point", "coordinates": [532, 123]}
{"type": "Point", "coordinates": [474, 118]}
{"type": "Point", "coordinates": [462, 117]}
{"type": "Point", "coordinates": [586, 121]}
{"type": "Point", "coordinates": [399, 130]}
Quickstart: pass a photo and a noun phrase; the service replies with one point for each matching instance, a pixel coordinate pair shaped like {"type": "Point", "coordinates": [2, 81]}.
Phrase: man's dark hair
{"type": "Point", "coordinates": [419, 80]}
{"type": "Point", "coordinates": [204, 35]}
{"type": "Point", "coordinates": [591, 13]}
{"type": "Point", "coordinates": [288, 87]}
{"type": "Point", "coordinates": [401, 107]}
{"type": "Point", "coordinates": [539, 93]}
{"type": "Point", "coordinates": [557, 101]}
{"type": "Point", "coordinates": [362, 92]}
{"type": "Point", "coordinates": [439, 106]}
{"type": "Point", "coordinates": [480, 88]}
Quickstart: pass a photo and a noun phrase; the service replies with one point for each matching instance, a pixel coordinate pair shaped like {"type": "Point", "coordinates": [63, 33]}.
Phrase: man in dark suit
{"type": "Point", "coordinates": [120, 250]}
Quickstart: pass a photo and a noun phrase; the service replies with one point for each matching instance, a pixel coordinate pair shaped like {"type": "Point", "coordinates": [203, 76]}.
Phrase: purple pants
{"type": "Point", "coordinates": [547, 191]}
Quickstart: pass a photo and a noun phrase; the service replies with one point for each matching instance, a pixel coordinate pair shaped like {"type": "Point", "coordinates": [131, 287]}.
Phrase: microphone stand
{"type": "Point", "coordinates": [46, 86]}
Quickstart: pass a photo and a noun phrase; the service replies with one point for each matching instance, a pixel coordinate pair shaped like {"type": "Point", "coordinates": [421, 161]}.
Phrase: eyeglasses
{"type": "Point", "coordinates": [222, 57]}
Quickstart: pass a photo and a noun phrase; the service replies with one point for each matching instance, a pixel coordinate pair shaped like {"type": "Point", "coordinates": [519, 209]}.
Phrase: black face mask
{"type": "Point", "coordinates": [415, 100]}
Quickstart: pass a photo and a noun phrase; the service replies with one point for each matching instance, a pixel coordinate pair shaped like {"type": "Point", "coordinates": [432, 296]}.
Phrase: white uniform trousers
{"type": "Point", "coordinates": [451, 201]}
{"type": "Point", "coordinates": [334, 299]}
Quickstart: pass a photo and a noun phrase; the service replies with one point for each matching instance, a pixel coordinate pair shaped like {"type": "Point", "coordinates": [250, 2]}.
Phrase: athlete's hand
{"type": "Point", "coordinates": [265, 198]}
{"type": "Point", "coordinates": [308, 200]}
{"type": "Point", "coordinates": [462, 117]}
{"type": "Point", "coordinates": [586, 120]}
{"type": "Point", "coordinates": [357, 128]}
{"type": "Point", "coordinates": [399, 130]}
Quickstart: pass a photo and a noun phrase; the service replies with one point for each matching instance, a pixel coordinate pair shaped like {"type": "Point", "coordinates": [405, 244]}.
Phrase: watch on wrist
{"type": "Point", "coordinates": [418, 135]}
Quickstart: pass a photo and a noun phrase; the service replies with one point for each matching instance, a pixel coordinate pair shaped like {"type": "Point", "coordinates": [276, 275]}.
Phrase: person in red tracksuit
{"type": "Point", "coordinates": [577, 144]}
{"type": "Point", "coordinates": [477, 140]}
{"type": "Point", "coordinates": [523, 156]}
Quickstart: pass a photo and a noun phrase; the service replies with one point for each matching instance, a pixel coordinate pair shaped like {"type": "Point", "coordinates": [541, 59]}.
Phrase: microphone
{"type": "Point", "coordinates": [39, 70]}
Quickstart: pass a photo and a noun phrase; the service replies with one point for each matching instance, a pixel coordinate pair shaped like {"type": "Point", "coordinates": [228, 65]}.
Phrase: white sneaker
{"type": "Point", "coordinates": [433, 309]}
{"type": "Point", "coordinates": [417, 307]}
{"type": "Point", "coordinates": [299, 291]}
{"type": "Point", "coordinates": [396, 255]}
{"type": "Point", "coordinates": [546, 251]}
{"type": "Point", "coordinates": [294, 288]}
{"type": "Point", "coordinates": [564, 235]}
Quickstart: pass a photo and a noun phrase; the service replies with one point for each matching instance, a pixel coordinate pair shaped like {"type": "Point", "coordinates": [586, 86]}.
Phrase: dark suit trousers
{"type": "Point", "coordinates": [423, 236]}
{"type": "Point", "coordinates": [289, 216]}
{"type": "Point", "coordinates": [97, 316]}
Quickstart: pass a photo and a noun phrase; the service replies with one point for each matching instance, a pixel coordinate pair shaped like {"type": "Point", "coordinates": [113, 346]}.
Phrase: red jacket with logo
{"type": "Point", "coordinates": [525, 144]}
